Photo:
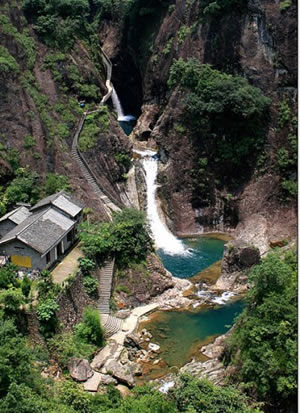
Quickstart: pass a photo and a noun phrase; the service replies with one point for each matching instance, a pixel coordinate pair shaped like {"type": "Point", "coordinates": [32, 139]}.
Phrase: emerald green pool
{"type": "Point", "coordinates": [181, 334]}
{"type": "Point", "coordinates": [203, 253]}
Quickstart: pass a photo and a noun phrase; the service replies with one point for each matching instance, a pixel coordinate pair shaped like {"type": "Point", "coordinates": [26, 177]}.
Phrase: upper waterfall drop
{"type": "Point", "coordinates": [164, 239]}
{"type": "Point", "coordinates": [119, 109]}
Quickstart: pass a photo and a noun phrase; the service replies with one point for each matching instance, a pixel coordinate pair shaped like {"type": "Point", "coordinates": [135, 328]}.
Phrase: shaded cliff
{"type": "Point", "coordinates": [41, 88]}
{"type": "Point", "coordinates": [257, 41]}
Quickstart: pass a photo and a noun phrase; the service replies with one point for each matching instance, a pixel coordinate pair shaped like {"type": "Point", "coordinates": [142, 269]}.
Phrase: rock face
{"type": "Point", "coordinates": [253, 44]}
{"type": "Point", "coordinates": [238, 258]}
{"type": "Point", "coordinates": [144, 283]}
{"type": "Point", "coordinates": [80, 369]}
{"type": "Point", "coordinates": [122, 373]}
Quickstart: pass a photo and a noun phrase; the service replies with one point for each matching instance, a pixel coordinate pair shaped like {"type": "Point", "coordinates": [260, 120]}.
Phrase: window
{"type": "Point", "coordinates": [48, 257]}
{"type": "Point", "coordinates": [69, 236]}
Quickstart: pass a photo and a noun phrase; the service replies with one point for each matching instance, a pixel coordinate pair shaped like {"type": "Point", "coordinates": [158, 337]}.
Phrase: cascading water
{"type": "Point", "coordinates": [163, 238]}
{"type": "Point", "coordinates": [119, 109]}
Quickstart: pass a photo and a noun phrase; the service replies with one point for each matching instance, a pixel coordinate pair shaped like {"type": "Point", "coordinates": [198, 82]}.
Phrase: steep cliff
{"type": "Point", "coordinates": [41, 88]}
{"type": "Point", "coordinates": [256, 40]}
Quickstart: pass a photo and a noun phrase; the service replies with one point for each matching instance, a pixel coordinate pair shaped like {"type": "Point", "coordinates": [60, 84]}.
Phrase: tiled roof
{"type": "Point", "coordinates": [41, 230]}
{"type": "Point", "coordinates": [17, 216]}
{"type": "Point", "coordinates": [61, 200]}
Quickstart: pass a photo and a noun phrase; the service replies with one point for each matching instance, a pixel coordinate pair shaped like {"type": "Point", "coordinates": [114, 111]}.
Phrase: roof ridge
{"type": "Point", "coordinates": [39, 214]}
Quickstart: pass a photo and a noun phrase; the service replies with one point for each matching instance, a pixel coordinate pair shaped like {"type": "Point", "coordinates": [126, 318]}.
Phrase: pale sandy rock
{"type": "Point", "coordinates": [93, 383]}
{"type": "Point", "coordinates": [80, 369]}
{"type": "Point", "coordinates": [154, 347]}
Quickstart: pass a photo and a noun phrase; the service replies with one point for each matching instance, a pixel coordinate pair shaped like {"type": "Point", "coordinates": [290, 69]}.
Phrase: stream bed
{"type": "Point", "coordinates": [181, 334]}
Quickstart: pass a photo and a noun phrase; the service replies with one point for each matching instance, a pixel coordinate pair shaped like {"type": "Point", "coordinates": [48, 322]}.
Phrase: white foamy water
{"type": "Point", "coordinates": [223, 299]}
{"type": "Point", "coordinates": [119, 109]}
{"type": "Point", "coordinates": [167, 386]}
{"type": "Point", "coordinates": [163, 237]}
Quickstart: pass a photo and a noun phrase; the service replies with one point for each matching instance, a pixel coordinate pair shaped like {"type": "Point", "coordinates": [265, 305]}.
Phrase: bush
{"type": "Point", "coordinates": [285, 4]}
{"type": "Point", "coordinates": [7, 62]}
{"type": "Point", "coordinates": [90, 329]}
{"type": "Point", "coordinates": [55, 183]}
{"type": "Point", "coordinates": [263, 345]}
{"type": "Point", "coordinates": [216, 8]}
{"type": "Point", "coordinates": [29, 142]}
{"type": "Point", "coordinates": [46, 310]}
{"type": "Point", "coordinates": [90, 285]}
{"type": "Point", "coordinates": [94, 124]}
{"type": "Point", "coordinates": [284, 113]}
{"type": "Point", "coordinates": [126, 238]}
{"type": "Point", "coordinates": [86, 265]}
{"type": "Point", "coordinates": [124, 161]}
{"type": "Point", "coordinates": [8, 276]}
{"type": "Point", "coordinates": [224, 114]}
{"type": "Point", "coordinates": [65, 346]}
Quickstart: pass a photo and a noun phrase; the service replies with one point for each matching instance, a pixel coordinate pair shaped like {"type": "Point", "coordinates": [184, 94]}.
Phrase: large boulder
{"type": "Point", "coordinates": [122, 373]}
{"type": "Point", "coordinates": [80, 369]}
{"type": "Point", "coordinates": [132, 340]}
{"type": "Point", "coordinates": [238, 259]}
{"type": "Point", "coordinates": [238, 256]}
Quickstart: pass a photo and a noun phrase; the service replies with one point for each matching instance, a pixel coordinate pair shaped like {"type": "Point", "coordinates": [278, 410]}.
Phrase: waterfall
{"type": "Point", "coordinates": [119, 109]}
{"type": "Point", "coordinates": [163, 238]}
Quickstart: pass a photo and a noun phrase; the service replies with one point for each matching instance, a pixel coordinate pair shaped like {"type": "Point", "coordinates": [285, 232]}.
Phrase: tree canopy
{"type": "Point", "coordinates": [263, 345]}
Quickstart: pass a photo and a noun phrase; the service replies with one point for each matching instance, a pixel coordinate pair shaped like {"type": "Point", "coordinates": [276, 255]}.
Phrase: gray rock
{"type": "Point", "coordinates": [122, 373]}
{"type": "Point", "coordinates": [107, 379]}
{"type": "Point", "coordinates": [132, 340]}
{"type": "Point", "coordinates": [80, 369]}
{"type": "Point", "coordinates": [93, 383]}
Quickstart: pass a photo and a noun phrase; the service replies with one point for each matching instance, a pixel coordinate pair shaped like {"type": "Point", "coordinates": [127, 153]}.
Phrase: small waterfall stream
{"type": "Point", "coordinates": [118, 108]}
{"type": "Point", "coordinates": [163, 237]}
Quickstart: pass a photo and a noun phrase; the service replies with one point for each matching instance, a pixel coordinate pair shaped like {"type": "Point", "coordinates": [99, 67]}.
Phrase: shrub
{"type": "Point", "coordinates": [285, 4]}
{"type": "Point", "coordinates": [46, 310]}
{"type": "Point", "coordinates": [7, 62]}
{"type": "Point", "coordinates": [86, 265]}
{"type": "Point", "coordinates": [65, 346]}
{"type": "Point", "coordinates": [224, 114]}
{"type": "Point", "coordinates": [12, 299]}
{"type": "Point", "coordinates": [90, 285]}
{"type": "Point", "coordinates": [126, 238]}
{"type": "Point", "coordinates": [290, 186]}
{"type": "Point", "coordinates": [124, 160]}
{"type": "Point", "coordinates": [182, 33]}
{"type": "Point", "coordinates": [284, 113]}
{"type": "Point", "coordinates": [55, 183]}
{"type": "Point", "coordinates": [263, 345]}
{"type": "Point", "coordinates": [24, 188]}
{"type": "Point", "coordinates": [215, 8]}
{"type": "Point", "coordinates": [29, 142]}
{"type": "Point", "coordinates": [90, 329]}
{"type": "Point", "coordinates": [8, 276]}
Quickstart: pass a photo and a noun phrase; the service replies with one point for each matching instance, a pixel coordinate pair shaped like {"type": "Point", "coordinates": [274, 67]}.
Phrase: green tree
{"type": "Point", "coordinates": [203, 396]}
{"type": "Point", "coordinates": [11, 300]}
{"type": "Point", "coordinates": [90, 329]}
{"type": "Point", "coordinates": [55, 183]}
{"type": "Point", "coordinates": [8, 276]}
{"type": "Point", "coordinates": [263, 345]}
{"type": "Point", "coordinates": [126, 238]}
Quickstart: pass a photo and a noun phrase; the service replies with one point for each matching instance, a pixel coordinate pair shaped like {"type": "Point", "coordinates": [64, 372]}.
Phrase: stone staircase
{"type": "Point", "coordinates": [110, 323]}
{"type": "Point", "coordinates": [105, 276]}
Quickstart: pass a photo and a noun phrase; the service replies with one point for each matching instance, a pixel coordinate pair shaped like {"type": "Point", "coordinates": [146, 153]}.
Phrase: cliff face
{"type": "Point", "coordinates": [40, 90]}
{"type": "Point", "coordinates": [257, 42]}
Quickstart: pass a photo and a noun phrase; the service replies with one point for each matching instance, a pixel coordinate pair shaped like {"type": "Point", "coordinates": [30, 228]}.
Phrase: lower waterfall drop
{"type": "Point", "coordinates": [163, 237]}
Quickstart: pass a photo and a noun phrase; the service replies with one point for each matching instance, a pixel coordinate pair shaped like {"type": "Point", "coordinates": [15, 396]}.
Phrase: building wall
{"type": "Point", "coordinates": [19, 251]}
{"type": "Point", "coordinates": [17, 248]}
{"type": "Point", "coordinates": [6, 226]}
